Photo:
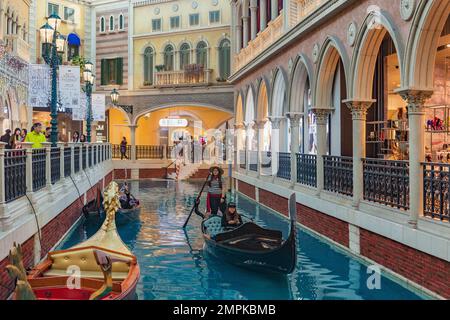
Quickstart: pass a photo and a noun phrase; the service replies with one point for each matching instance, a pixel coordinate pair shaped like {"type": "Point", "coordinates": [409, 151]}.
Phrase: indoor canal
{"type": "Point", "coordinates": [175, 266]}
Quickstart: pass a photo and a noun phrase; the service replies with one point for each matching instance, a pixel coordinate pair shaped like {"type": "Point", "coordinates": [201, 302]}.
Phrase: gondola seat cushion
{"type": "Point", "coordinates": [213, 226]}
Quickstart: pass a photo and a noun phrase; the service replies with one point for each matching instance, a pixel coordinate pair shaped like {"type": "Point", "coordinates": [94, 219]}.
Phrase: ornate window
{"type": "Point", "coordinates": [168, 58]}
{"type": "Point", "coordinates": [202, 53]}
{"type": "Point", "coordinates": [148, 66]}
{"type": "Point", "coordinates": [111, 23]}
{"type": "Point", "coordinates": [121, 22]}
{"type": "Point", "coordinates": [224, 59]}
{"type": "Point", "coordinates": [102, 24]}
{"type": "Point", "coordinates": [185, 55]}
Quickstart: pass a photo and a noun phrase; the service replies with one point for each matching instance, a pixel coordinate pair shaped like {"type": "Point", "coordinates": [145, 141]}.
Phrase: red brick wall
{"type": "Point", "coordinates": [154, 173]}
{"type": "Point", "coordinates": [247, 189]}
{"type": "Point", "coordinates": [274, 201]}
{"type": "Point", "coordinates": [108, 178]}
{"type": "Point", "coordinates": [428, 271]}
{"type": "Point", "coordinates": [28, 261]}
{"type": "Point", "coordinates": [330, 227]}
{"type": "Point", "coordinates": [120, 174]}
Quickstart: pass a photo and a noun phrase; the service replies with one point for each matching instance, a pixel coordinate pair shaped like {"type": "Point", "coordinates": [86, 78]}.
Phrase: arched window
{"type": "Point", "coordinates": [121, 22]}
{"type": "Point", "coordinates": [185, 55]}
{"type": "Point", "coordinates": [168, 58]}
{"type": "Point", "coordinates": [148, 66]}
{"type": "Point", "coordinates": [202, 54]}
{"type": "Point", "coordinates": [224, 59]}
{"type": "Point", "coordinates": [111, 23]}
{"type": "Point", "coordinates": [102, 24]}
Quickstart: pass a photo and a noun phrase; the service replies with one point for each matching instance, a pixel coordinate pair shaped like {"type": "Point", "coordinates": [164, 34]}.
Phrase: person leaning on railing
{"type": "Point", "coordinates": [36, 137]}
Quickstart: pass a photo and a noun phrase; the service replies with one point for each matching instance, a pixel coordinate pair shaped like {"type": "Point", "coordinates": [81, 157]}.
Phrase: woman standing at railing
{"type": "Point", "coordinates": [123, 149]}
{"type": "Point", "coordinates": [16, 139]}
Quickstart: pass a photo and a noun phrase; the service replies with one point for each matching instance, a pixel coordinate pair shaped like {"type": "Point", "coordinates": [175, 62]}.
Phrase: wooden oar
{"type": "Point", "coordinates": [196, 200]}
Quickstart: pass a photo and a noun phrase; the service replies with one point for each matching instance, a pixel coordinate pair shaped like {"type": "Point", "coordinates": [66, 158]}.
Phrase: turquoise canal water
{"type": "Point", "coordinates": [174, 266]}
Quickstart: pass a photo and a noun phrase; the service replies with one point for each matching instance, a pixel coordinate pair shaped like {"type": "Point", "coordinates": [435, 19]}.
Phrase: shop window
{"type": "Point", "coordinates": [202, 54]}
{"type": "Point", "coordinates": [224, 59]}
{"type": "Point", "coordinates": [175, 22]}
{"type": "Point", "coordinates": [168, 58]}
{"type": "Point", "coordinates": [69, 14]}
{"type": "Point", "coordinates": [185, 55]}
{"type": "Point", "coordinates": [156, 25]}
{"type": "Point", "coordinates": [214, 16]}
{"type": "Point", "coordinates": [194, 19]}
{"type": "Point", "coordinates": [112, 71]}
{"type": "Point", "coordinates": [148, 66]}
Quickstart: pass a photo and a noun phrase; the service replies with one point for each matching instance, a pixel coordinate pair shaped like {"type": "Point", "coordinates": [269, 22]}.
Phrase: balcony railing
{"type": "Point", "coordinates": [55, 164]}
{"type": "Point", "coordinates": [338, 174]}
{"type": "Point", "coordinates": [39, 169]}
{"type": "Point", "coordinates": [149, 152]}
{"type": "Point", "coordinates": [242, 159]}
{"type": "Point", "coordinates": [182, 78]}
{"type": "Point", "coordinates": [300, 9]}
{"type": "Point", "coordinates": [18, 47]}
{"type": "Point", "coordinates": [284, 165]}
{"type": "Point", "coordinates": [253, 158]}
{"type": "Point", "coordinates": [387, 182]}
{"type": "Point", "coordinates": [436, 184]}
{"type": "Point", "coordinates": [117, 154]}
{"type": "Point", "coordinates": [15, 174]}
{"type": "Point", "coordinates": [307, 169]}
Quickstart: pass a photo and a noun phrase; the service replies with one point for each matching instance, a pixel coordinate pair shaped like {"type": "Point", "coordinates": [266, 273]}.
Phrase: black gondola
{"type": "Point", "coordinates": [252, 246]}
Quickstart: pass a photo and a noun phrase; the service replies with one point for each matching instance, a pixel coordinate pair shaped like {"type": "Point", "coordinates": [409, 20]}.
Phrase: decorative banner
{"type": "Point", "coordinates": [69, 87]}
{"type": "Point", "coordinates": [98, 107]}
{"type": "Point", "coordinates": [39, 85]}
{"type": "Point", "coordinates": [79, 113]}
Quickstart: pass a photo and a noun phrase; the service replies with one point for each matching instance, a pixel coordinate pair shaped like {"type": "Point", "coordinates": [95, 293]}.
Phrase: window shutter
{"type": "Point", "coordinates": [119, 70]}
{"type": "Point", "coordinates": [104, 72]}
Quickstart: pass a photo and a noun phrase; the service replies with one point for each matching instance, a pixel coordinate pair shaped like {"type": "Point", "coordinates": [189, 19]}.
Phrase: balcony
{"type": "Point", "coordinates": [18, 47]}
{"type": "Point", "coordinates": [264, 39]}
{"type": "Point", "coordinates": [300, 9]}
{"type": "Point", "coordinates": [182, 78]}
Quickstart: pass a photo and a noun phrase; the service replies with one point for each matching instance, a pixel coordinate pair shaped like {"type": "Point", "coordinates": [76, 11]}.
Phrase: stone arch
{"type": "Point", "coordinates": [262, 99]}
{"type": "Point", "coordinates": [250, 107]}
{"type": "Point", "coordinates": [277, 105]}
{"type": "Point", "coordinates": [239, 109]}
{"type": "Point", "coordinates": [332, 50]}
{"type": "Point", "coordinates": [374, 28]}
{"type": "Point", "coordinates": [125, 114]}
{"type": "Point", "coordinates": [301, 75]}
{"type": "Point", "coordinates": [423, 41]}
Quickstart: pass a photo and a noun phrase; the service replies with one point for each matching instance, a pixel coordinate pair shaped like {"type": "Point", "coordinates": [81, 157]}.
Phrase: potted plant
{"type": "Point", "coordinates": [160, 67]}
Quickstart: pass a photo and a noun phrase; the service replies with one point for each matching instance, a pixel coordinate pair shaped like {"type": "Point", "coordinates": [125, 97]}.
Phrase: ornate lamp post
{"type": "Point", "coordinates": [55, 44]}
{"type": "Point", "coordinates": [115, 97]}
{"type": "Point", "coordinates": [88, 78]}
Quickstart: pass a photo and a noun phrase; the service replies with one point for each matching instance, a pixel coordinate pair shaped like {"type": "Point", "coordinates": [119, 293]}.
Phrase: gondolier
{"type": "Point", "coordinates": [216, 197]}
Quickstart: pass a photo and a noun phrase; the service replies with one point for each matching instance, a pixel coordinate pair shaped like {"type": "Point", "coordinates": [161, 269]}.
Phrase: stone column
{"type": "Point", "coordinates": [274, 9]}
{"type": "Point", "coordinates": [238, 127]}
{"type": "Point", "coordinates": [262, 15]}
{"type": "Point", "coordinates": [275, 143]}
{"type": "Point", "coordinates": [416, 118]}
{"type": "Point", "coordinates": [259, 125]}
{"type": "Point", "coordinates": [248, 144]}
{"type": "Point", "coordinates": [253, 18]}
{"type": "Point", "coordinates": [245, 22]}
{"type": "Point", "coordinates": [48, 165]}
{"type": "Point", "coordinates": [29, 166]}
{"type": "Point", "coordinates": [322, 116]}
{"type": "Point", "coordinates": [295, 118]}
{"type": "Point", "coordinates": [5, 222]}
{"type": "Point", "coordinates": [238, 36]}
{"type": "Point", "coordinates": [61, 159]}
{"type": "Point", "coordinates": [358, 109]}
{"type": "Point", "coordinates": [133, 141]}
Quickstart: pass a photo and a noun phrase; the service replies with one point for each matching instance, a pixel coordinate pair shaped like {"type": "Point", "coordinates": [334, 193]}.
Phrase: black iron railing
{"type": "Point", "coordinates": [83, 157]}
{"type": "Point", "coordinates": [67, 161]}
{"type": "Point", "coordinates": [76, 159]}
{"type": "Point", "coordinates": [338, 174]}
{"type": "Point", "coordinates": [38, 165]}
{"type": "Point", "coordinates": [89, 156]}
{"type": "Point", "coordinates": [307, 169]}
{"type": "Point", "coordinates": [15, 174]}
{"type": "Point", "coordinates": [55, 164]}
{"type": "Point", "coordinates": [253, 159]}
{"type": "Point", "coordinates": [243, 159]}
{"type": "Point", "coordinates": [387, 182]}
{"type": "Point", "coordinates": [284, 165]}
{"type": "Point", "coordinates": [149, 152]}
{"type": "Point", "coordinates": [436, 184]}
{"type": "Point", "coordinates": [95, 155]}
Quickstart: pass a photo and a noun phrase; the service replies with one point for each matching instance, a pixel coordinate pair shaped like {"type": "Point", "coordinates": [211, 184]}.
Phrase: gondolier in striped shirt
{"type": "Point", "coordinates": [216, 191]}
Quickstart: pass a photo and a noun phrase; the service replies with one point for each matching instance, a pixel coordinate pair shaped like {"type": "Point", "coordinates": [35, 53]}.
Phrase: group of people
{"type": "Point", "coordinates": [216, 200]}
{"type": "Point", "coordinates": [77, 137]}
{"type": "Point", "coordinates": [127, 200]}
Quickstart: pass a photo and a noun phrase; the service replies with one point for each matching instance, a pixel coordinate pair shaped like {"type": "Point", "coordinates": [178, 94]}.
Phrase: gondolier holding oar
{"type": "Point", "coordinates": [216, 191]}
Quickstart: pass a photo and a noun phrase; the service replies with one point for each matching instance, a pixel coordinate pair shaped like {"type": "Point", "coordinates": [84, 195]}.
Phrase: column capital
{"type": "Point", "coordinates": [359, 108]}
{"type": "Point", "coordinates": [295, 118]}
{"type": "Point", "coordinates": [249, 125]}
{"type": "Point", "coordinates": [321, 115]}
{"type": "Point", "coordinates": [276, 122]}
{"type": "Point", "coordinates": [260, 124]}
{"type": "Point", "coordinates": [415, 99]}
{"type": "Point", "coordinates": [238, 126]}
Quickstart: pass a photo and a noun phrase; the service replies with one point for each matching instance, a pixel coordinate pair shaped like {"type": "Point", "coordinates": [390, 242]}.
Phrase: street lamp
{"type": "Point", "coordinates": [54, 43]}
{"type": "Point", "coordinates": [89, 79]}
{"type": "Point", "coordinates": [115, 97]}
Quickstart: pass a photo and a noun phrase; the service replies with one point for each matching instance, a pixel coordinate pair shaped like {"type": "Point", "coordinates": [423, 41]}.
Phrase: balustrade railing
{"type": "Point", "coordinates": [242, 159]}
{"type": "Point", "coordinates": [117, 154]}
{"type": "Point", "coordinates": [182, 77]}
{"type": "Point", "coordinates": [149, 152]}
{"type": "Point", "coordinates": [15, 174]}
{"type": "Point", "coordinates": [338, 174]}
{"type": "Point", "coordinates": [83, 157]}
{"type": "Point", "coordinates": [67, 161]}
{"type": "Point", "coordinates": [307, 169]}
{"type": "Point", "coordinates": [39, 169]}
{"type": "Point", "coordinates": [387, 182]}
{"type": "Point", "coordinates": [253, 160]}
{"type": "Point", "coordinates": [284, 165]}
{"type": "Point", "coordinates": [55, 164]}
{"type": "Point", "coordinates": [436, 184]}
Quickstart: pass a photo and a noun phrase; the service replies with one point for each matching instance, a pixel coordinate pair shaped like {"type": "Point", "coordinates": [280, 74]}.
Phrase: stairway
{"type": "Point", "coordinates": [188, 170]}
